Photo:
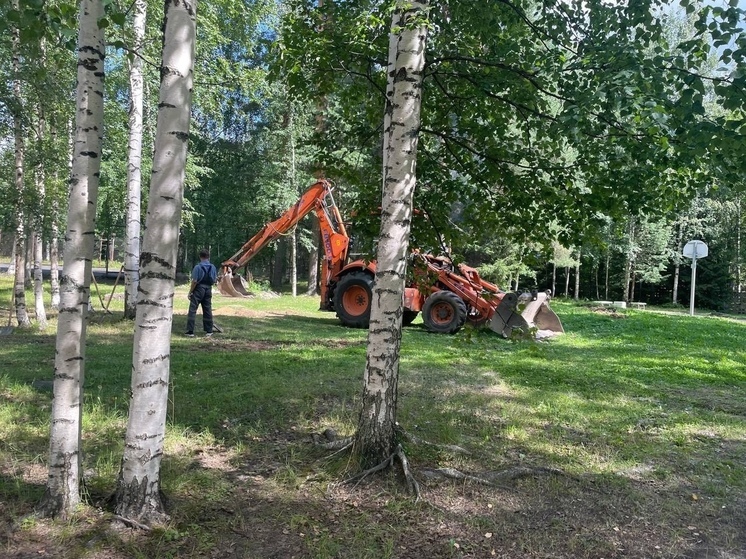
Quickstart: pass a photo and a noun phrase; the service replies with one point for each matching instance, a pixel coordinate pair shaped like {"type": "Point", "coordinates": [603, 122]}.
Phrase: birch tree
{"type": "Point", "coordinates": [134, 164]}
{"type": "Point", "coordinates": [138, 486]}
{"type": "Point", "coordinates": [62, 493]}
{"type": "Point", "coordinates": [40, 177]}
{"type": "Point", "coordinates": [18, 134]}
{"type": "Point", "coordinates": [376, 435]}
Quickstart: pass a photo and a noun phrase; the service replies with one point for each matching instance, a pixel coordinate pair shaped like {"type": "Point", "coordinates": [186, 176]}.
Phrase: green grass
{"type": "Point", "coordinates": [644, 414]}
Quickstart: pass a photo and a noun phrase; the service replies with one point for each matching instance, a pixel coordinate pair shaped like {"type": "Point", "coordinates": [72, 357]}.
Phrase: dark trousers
{"type": "Point", "coordinates": [202, 295]}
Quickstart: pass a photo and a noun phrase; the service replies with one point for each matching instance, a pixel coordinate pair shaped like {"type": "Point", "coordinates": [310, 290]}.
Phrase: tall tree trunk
{"type": "Point", "coordinates": [606, 273]}
{"type": "Point", "coordinates": [54, 259]}
{"type": "Point", "coordinates": [632, 287]}
{"type": "Point", "coordinates": [138, 487]}
{"type": "Point", "coordinates": [677, 263]}
{"type": "Point", "coordinates": [376, 426]}
{"type": "Point", "coordinates": [738, 244]}
{"type": "Point", "coordinates": [313, 259]}
{"type": "Point", "coordinates": [554, 279]}
{"type": "Point", "coordinates": [294, 261]}
{"type": "Point", "coordinates": [41, 314]}
{"type": "Point", "coordinates": [627, 276]}
{"type": "Point", "coordinates": [278, 265]}
{"type": "Point", "coordinates": [39, 310]}
{"type": "Point", "coordinates": [134, 163]}
{"type": "Point", "coordinates": [65, 468]}
{"type": "Point", "coordinates": [567, 282]}
{"type": "Point", "coordinates": [595, 278]}
{"type": "Point", "coordinates": [19, 285]}
{"type": "Point", "coordinates": [629, 260]}
{"type": "Point", "coordinates": [576, 295]}
{"type": "Point", "coordinates": [294, 232]}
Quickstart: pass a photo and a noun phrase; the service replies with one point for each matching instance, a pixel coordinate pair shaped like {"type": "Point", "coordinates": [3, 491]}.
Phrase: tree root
{"type": "Point", "coordinates": [132, 523]}
{"type": "Point", "coordinates": [412, 484]}
{"type": "Point", "coordinates": [328, 440]}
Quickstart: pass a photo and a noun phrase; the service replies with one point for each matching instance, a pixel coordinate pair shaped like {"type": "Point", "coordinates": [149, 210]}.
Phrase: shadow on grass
{"type": "Point", "coordinates": [640, 428]}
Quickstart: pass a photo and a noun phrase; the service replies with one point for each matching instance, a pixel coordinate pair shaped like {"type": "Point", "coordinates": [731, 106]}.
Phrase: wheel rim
{"type": "Point", "coordinates": [355, 300]}
{"type": "Point", "coordinates": [441, 313]}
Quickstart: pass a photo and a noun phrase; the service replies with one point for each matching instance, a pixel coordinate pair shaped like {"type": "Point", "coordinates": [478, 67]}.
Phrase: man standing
{"type": "Point", "coordinates": [204, 275]}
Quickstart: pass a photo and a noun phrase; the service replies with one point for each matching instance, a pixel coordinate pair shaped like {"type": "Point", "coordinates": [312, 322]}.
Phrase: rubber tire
{"type": "Point", "coordinates": [451, 308]}
{"type": "Point", "coordinates": [359, 282]}
{"type": "Point", "coordinates": [408, 317]}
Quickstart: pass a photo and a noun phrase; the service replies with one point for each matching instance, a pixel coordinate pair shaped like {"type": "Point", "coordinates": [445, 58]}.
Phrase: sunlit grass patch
{"type": "Point", "coordinates": [643, 415]}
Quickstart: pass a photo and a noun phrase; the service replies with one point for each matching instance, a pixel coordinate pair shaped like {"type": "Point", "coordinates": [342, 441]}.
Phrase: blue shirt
{"type": "Point", "coordinates": [205, 273]}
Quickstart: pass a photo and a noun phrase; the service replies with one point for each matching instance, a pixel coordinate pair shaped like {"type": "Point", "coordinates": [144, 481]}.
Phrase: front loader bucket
{"type": "Point", "coordinates": [537, 313]}
{"type": "Point", "coordinates": [507, 318]}
{"type": "Point", "coordinates": [232, 286]}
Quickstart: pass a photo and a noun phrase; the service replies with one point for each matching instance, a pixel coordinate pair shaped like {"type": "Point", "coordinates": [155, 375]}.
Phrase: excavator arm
{"type": "Point", "coordinates": [317, 198]}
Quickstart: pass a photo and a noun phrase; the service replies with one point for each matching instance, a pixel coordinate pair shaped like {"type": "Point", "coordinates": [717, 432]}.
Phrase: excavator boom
{"type": "Point", "coordinates": [317, 198]}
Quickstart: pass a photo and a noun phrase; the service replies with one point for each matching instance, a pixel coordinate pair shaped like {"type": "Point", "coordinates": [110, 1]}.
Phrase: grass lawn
{"type": "Point", "coordinates": [626, 438]}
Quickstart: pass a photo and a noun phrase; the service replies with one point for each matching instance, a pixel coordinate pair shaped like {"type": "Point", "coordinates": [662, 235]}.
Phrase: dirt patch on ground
{"type": "Point", "coordinates": [239, 311]}
{"type": "Point", "coordinates": [611, 312]}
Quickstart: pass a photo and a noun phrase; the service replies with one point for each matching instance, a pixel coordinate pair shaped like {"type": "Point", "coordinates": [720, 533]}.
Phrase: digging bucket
{"type": "Point", "coordinates": [232, 286]}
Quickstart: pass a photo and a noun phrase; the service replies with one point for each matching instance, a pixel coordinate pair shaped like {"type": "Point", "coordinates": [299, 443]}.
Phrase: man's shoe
{"type": "Point", "coordinates": [208, 335]}
{"type": "Point", "coordinates": [189, 334]}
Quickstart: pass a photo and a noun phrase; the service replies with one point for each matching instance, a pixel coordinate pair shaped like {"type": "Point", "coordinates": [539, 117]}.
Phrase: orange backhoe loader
{"type": "Point", "coordinates": [448, 296]}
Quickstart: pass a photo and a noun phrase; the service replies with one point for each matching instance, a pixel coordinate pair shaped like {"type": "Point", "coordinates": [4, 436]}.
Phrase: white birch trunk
{"type": "Point", "coordinates": [376, 427]}
{"type": "Point", "coordinates": [576, 295]}
{"type": "Point", "coordinates": [677, 264]}
{"type": "Point", "coordinates": [19, 283]}
{"type": "Point", "coordinates": [41, 314]}
{"type": "Point", "coordinates": [63, 485]}
{"type": "Point", "coordinates": [294, 262]}
{"type": "Point", "coordinates": [134, 164]}
{"type": "Point", "coordinates": [138, 487]}
{"type": "Point", "coordinates": [294, 233]}
{"type": "Point", "coordinates": [39, 310]}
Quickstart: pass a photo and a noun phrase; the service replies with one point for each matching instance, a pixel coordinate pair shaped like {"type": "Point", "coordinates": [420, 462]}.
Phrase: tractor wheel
{"type": "Point", "coordinates": [408, 317]}
{"type": "Point", "coordinates": [444, 312]}
{"type": "Point", "coordinates": [352, 298]}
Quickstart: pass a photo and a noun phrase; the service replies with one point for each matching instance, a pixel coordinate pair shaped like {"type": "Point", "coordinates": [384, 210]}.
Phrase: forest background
{"type": "Point", "coordinates": [524, 208]}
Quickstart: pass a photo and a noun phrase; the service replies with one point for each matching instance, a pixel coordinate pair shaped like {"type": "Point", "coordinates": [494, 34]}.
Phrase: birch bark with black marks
{"type": "Point", "coordinates": [576, 295]}
{"type": "Point", "coordinates": [677, 262]}
{"type": "Point", "coordinates": [19, 283]}
{"type": "Point", "coordinates": [375, 439]}
{"type": "Point", "coordinates": [65, 465]}
{"type": "Point", "coordinates": [629, 260]}
{"type": "Point", "coordinates": [138, 487]}
{"type": "Point", "coordinates": [134, 165]}
{"type": "Point", "coordinates": [40, 176]}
